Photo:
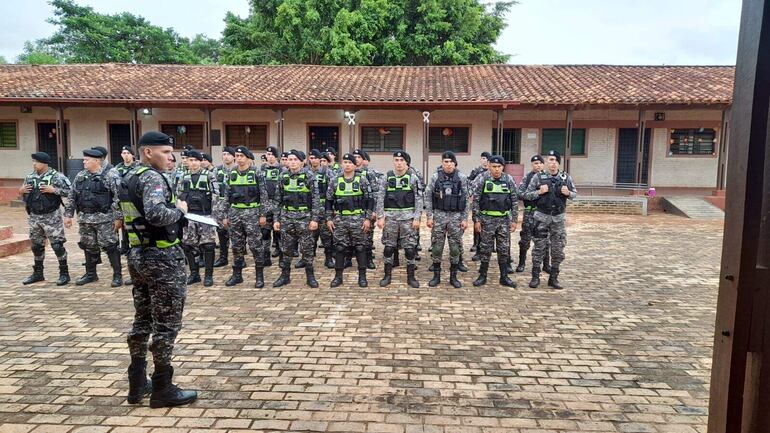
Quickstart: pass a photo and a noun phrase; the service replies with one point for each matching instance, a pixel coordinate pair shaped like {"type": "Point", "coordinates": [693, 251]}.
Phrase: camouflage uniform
{"type": "Point", "coordinates": [373, 177]}
{"type": "Point", "coordinates": [528, 224]}
{"type": "Point", "coordinates": [447, 207]}
{"type": "Point", "coordinates": [122, 169]}
{"type": "Point", "coordinates": [45, 218]}
{"type": "Point", "coordinates": [496, 206]}
{"type": "Point", "coordinates": [323, 175]}
{"type": "Point", "coordinates": [201, 192]}
{"type": "Point", "coordinates": [271, 174]}
{"type": "Point", "coordinates": [473, 180]}
{"type": "Point", "coordinates": [220, 212]}
{"type": "Point", "coordinates": [550, 217]}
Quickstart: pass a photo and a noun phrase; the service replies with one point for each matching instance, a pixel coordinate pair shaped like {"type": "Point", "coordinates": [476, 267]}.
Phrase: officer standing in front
{"type": "Point", "coordinates": [348, 209]}
{"type": "Point", "coordinates": [297, 212]}
{"type": "Point", "coordinates": [528, 221]}
{"type": "Point", "coordinates": [551, 188]}
{"type": "Point", "coordinates": [200, 190]}
{"type": "Point", "coordinates": [156, 263]}
{"type": "Point", "coordinates": [447, 215]}
{"type": "Point", "coordinates": [496, 207]}
{"type": "Point", "coordinates": [44, 191]}
{"type": "Point", "coordinates": [399, 210]}
{"type": "Point", "coordinates": [95, 196]}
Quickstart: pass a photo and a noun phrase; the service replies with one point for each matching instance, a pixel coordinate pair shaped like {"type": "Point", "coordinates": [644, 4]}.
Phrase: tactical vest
{"type": "Point", "coordinates": [271, 180]}
{"type": "Point", "coordinates": [40, 203]}
{"type": "Point", "coordinates": [222, 175]}
{"type": "Point", "coordinates": [140, 232]}
{"type": "Point", "coordinates": [349, 196]}
{"type": "Point", "coordinates": [322, 182]}
{"type": "Point", "coordinates": [93, 194]}
{"type": "Point", "coordinates": [398, 193]}
{"type": "Point", "coordinates": [122, 169]}
{"type": "Point", "coordinates": [243, 189]}
{"type": "Point", "coordinates": [496, 198]}
{"type": "Point", "coordinates": [297, 196]}
{"type": "Point", "coordinates": [197, 192]}
{"type": "Point", "coordinates": [529, 205]}
{"type": "Point", "coordinates": [553, 202]}
{"type": "Point", "coordinates": [447, 193]}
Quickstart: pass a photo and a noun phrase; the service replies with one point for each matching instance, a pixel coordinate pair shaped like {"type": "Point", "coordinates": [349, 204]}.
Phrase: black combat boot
{"type": "Point", "coordinates": [328, 259]}
{"type": "Point", "coordinates": [310, 276]}
{"type": "Point", "coordinates": [432, 267]}
{"type": "Point", "coordinates": [361, 259]}
{"type": "Point", "coordinates": [301, 263]}
{"type": "Point", "coordinates": [370, 260]}
{"type": "Point", "coordinates": [410, 279]}
{"type": "Point", "coordinates": [461, 266]}
{"type": "Point", "coordinates": [260, 279]}
{"type": "Point", "coordinates": [535, 281]}
{"type": "Point", "coordinates": [237, 277]}
{"type": "Point", "coordinates": [222, 259]}
{"type": "Point", "coordinates": [553, 279]}
{"type": "Point", "coordinates": [436, 280]}
{"type": "Point", "coordinates": [482, 279]}
{"type": "Point", "coordinates": [505, 280]}
{"type": "Point", "coordinates": [453, 276]}
{"type": "Point", "coordinates": [362, 282]}
{"type": "Point", "coordinates": [339, 266]}
{"type": "Point", "coordinates": [192, 261]}
{"type": "Point", "coordinates": [385, 281]}
{"type": "Point", "coordinates": [113, 254]}
{"type": "Point", "coordinates": [37, 273]}
{"type": "Point", "coordinates": [522, 260]}
{"type": "Point", "coordinates": [139, 384]}
{"type": "Point", "coordinates": [208, 264]}
{"type": "Point", "coordinates": [285, 277]}
{"type": "Point", "coordinates": [337, 281]}
{"type": "Point", "coordinates": [90, 275]}
{"type": "Point", "coordinates": [64, 273]}
{"type": "Point", "coordinates": [165, 393]}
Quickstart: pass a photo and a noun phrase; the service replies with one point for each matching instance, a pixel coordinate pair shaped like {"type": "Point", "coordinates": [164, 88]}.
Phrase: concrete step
{"type": "Point", "coordinates": [16, 203]}
{"type": "Point", "coordinates": [6, 232]}
{"type": "Point", "coordinates": [691, 207]}
{"type": "Point", "coordinates": [14, 245]}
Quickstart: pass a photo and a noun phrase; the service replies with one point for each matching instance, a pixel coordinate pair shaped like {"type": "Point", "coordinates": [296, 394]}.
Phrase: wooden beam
{"type": "Point", "coordinates": [500, 127]}
{"type": "Point", "coordinates": [640, 146]}
{"type": "Point", "coordinates": [133, 125]}
{"type": "Point", "coordinates": [737, 391]}
{"type": "Point", "coordinates": [279, 123]}
{"type": "Point", "coordinates": [724, 145]}
{"type": "Point", "coordinates": [207, 130]}
{"type": "Point", "coordinates": [425, 143]}
{"type": "Point", "coordinates": [568, 139]}
{"type": "Point", "coordinates": [61, 151]}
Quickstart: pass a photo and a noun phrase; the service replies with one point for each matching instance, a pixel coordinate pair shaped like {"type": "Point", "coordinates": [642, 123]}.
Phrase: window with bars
{"type": "Point", "coordinates": [700, 141]}
{"type": "Point", "coordinates": [443, 138]}
{"type": "Point", "coordinates": [184, 134]}
{"type": "Point", "coordinates": [554, 138]}
{"type": "Point", "coordinates": [382, 138]}
{"type": "Point", "coordinates": [511, 148]}
{"type": "Point", "coordinates": [253, 136]}
{"type": "Point", "coordinates": [8, 135]}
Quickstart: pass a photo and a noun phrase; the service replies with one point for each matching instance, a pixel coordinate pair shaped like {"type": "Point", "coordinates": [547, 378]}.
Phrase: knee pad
{"type": "Point", "coordinates": [58, 248]}
{"type": "Point", "coordinates": [38, 249]}
{"type": "Point", "coordinates": [410, 253]}
{"type": "Point", "coordinates": [341, 249]}
{"type": "Point", "coordinates": [454, 251]}
{"type": "Point", "coordinates": [389, 251]}
{"type": "Point", "coordinates": [360, 248]}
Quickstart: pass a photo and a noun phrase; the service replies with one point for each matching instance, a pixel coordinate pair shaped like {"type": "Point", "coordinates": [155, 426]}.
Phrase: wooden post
{"type": "Point", "coordinates": [133, 123]}
{"type": "Point", "coordinates": [568, 139]}
{"type": "Point", "coordinates": [740, 373]}
{"type": "Point", "coordinates": [724, 140]}
{"type": "Point", "coordinates": [279, 123]}
{"type": "Point", "coordinates": [61, 151]}
{"type": "Point", "coordinates": [207, 130]}
{"type": "Point", "coordinates": [425, 143]}
{"type": "Point", "coordinates": [640, 148]}
{"type": "Point", "coordinates": [500, 125]}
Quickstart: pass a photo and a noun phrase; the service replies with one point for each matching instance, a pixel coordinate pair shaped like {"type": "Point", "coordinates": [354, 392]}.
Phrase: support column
{"type": "Point", "coordinates": [61, 150]}
{"type": "Point", "coordinates": [425, 142]}
{"type": "Point", "coordinates": [351, 117]}
{"type": "Point", "coordinates": [500, 124]}
{"type": "Point", "coordinates": [207, 130]}
{"type": "Point", "coordinates": [568, 140]}
{"type": "Point", "coordinates": [279, 125]}
{"type": "Point", "coordinates": [724, 140]}
{"type": "Point", "coordinates": [133, 123]}
{"type": "Point", "coordinates": [640, 148]}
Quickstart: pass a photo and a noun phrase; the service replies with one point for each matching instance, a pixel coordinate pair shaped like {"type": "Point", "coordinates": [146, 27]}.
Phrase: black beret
{"type": "Point", "coordinates": [263, 157]}
{"type": "Point", "coordinates": [229, 149]}
{"type": "Point", "coordinates": [102, 150]}
{"type": "Point", "coordinates": [42, 157]}
{"type": "Point", "coordinates": [245, 151]}
{"type": "Point", "coordinates": [486, 154]}
{"type": "Point", "coordinates": [325, 156]}
{"type": "Point", "coordinates": [556, 154]}
{"type": "Point", "coordinates": [365, 154]}
{"type": "Point", "coordinates": [316, 153]}
{"type": "Point", "coordinates": [156, 138]}
{"type": "Point", "coordinates": [284, 154]}
{"type": "Point", "coordinates": [537, 158]}
{"type": "Point", "coordinates": [358, 152]}
{"type": "Point", "coordinates": [402, 154]}
{"type": "Point", "coordinates": [496, 159]}
{"type": "Point", "coordinates": [331, 150]}
{"type": "Point", "coordinates": [349, 157]}
{"type": "Point", "coordinates": [128, 148]}
{"type": "Point", "coordinates": [194, 154]}
{"type": "Point", "coordinates": [187, 147]}
{"type": "Point", "coordinates": [93, 153]}
{"type": "Point", "coordinates": [449, 155]}
{"type": "Point", "coordinates": [298, 153]}
{"type": "Point", "coordinates": [207, 157]}
{"type": "Point", "coordinates": [273, 151]}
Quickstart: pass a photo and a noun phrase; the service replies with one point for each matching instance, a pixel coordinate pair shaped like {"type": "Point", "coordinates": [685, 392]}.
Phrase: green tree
{"type": "Point", "coordinates": [366, 32]}
{"type": "Point", "coordinates": [37, 54]}
{"type": "Point", "coordinates": [85, 36]}
{"type": "Point", "coordinates": [3, 61]}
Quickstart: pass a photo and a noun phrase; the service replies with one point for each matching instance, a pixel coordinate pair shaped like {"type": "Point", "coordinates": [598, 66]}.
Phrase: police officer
{"type": "Point", "coordinates": [475, 173]}
{"type": "Point", "coordinates": [297, 212]}
{"type": "Point", "coordinates": [208, 162]}
{"type": "Point", "coordinates": [528, 222]}
{"type": "Point", "coordinates": [271, 170]}
{"type": "Point", "coordinates": [496, 206]}
{"type": "Point", "coordinates": [43, 192]}
{"type": "Point", "coordinates": [95, 196]}
{"type": "Point", "coordinates": [223, 172]}
{"type": "Point", "coordinates": [156, 263]}
{"type": "Point", "coordinates": [200, 190]}
{"type": "Point", "coordinates": [447, 214]}
{"type": "Point", "coordinates": [322, 178]}
{"type": "Point", "coordinates": [551, 188]}
{"type": "Point", "coordinates": [348, 210]}
{"type": "Point", "coordinates": [129, 160]}
{"type": "Point", "coordinates": [331, 155]}
{"type": "Point", "coordinates": [399, 209]}
{"type": "Point", "coordinates": [246, 204]}
{"type": "Point", "coordinates": [362, 165]}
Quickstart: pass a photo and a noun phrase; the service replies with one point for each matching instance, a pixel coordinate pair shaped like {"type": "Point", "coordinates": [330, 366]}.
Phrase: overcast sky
{"type": "Point", "coordinates": [648, 32]}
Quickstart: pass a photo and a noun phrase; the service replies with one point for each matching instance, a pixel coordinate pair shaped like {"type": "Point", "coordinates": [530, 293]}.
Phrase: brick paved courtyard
{"type": "Point", "coordinates": [626, 348]}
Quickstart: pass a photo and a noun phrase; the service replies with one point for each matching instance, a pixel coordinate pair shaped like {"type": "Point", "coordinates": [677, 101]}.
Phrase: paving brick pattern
{"type": "Point", "coordinates": [626, 348]}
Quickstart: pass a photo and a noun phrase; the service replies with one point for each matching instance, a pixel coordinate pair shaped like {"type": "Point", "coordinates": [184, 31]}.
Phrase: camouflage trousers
{"type": "Point", "coordinates": [495, 230]}
{"type": "Point", "coordinates": [97, 236]}
{"type": "Point", "coordinates": [245, 230]}
{"type": "Point", "coordinates": [446, 226]}
{"type": "Point", "coordinates": [47, 226]}
{"type": "Point", "coordinates": [528, 232]}
{"type": "Point", "coordinates": [159, 276]}
{"type": "Point", "coordinates": [327, 239]}
{"type": "Point", "coordinates": [549, 230]}
{"type": "Point", "coordinates": [295, 232]}
{"type": "Point", "coordinates": [399, 234]}
{"type": "Point", "coordinates": [197, 234]}
{"type": "Point", "coordinates": [349, 232]}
